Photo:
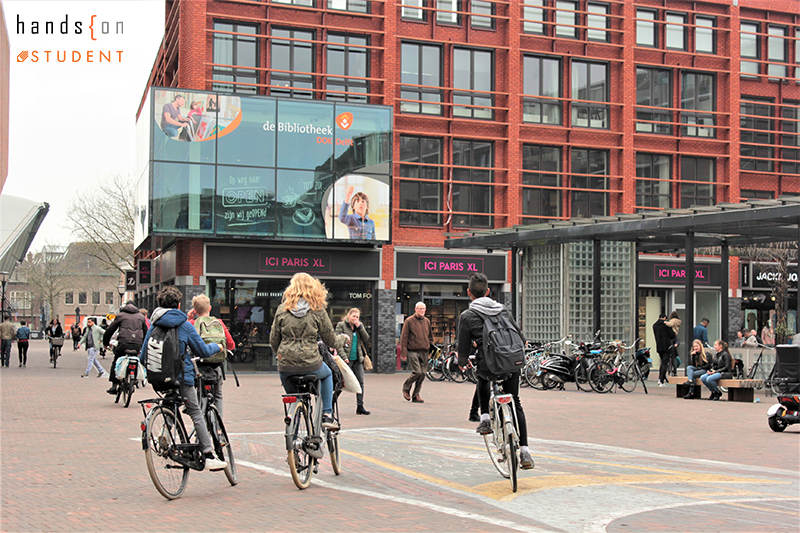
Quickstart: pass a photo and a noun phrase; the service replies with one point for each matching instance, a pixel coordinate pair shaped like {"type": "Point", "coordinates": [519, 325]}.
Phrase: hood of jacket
{"type": "Point", "coordinates": [168, 318]}
{"type": "Point", "coordinates": [486, 306]}
{"type": "Point", "coordinates": [302, 308]}
{"type": "Point", "coordinates": [129, 308]}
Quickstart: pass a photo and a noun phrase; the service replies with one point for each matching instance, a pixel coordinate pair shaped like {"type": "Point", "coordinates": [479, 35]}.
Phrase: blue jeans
{"type": "Point", "coordinates": [325, 388]}
{"type": "Point", "coordinates": [710, 381]}
{"type": "Point", "coordinates": [171, 130]}
{"type": "Point", "coordinates": [692, 373]}
{"type": "Point", "coordinates": [5, 351]}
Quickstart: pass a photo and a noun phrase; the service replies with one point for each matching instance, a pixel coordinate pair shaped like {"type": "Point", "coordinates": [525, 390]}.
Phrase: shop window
{"type": "Point", "coordinates": [542, 78]}
{"type": "Point", "coordinates": [698, 94]}
{"type": "Point", "coordinates": [417, 157]}
{"type": "Point", "coordinates": [534, 16]}
{"type": "Point", "coordinates": [590, 84]}
{"type": "Point", "coordinates": [589, 172]}
{"type": "Point", "coordinates": [481, 14]}
{"type": "Point", "coordinates": [239, 52]}
{"type": "Point", "coordinates": [183, 198]}
{"type": "Point", "coordinates": [790, 137]}
{"type": "Point", "coordinates": [69, 298]}
{"type": "Point", "coordinates": [540, 178]}
{"type": "Point", "coordinates": [421, 66]}
{"type": "Point", "coordinates": [704, 35]}
{"type": "Point", "coordinates": [756, 136]}
{"type": "Point", "coordinates": [676, 31]}
{"type": "Point", "coordinates": [410, 10]}
{"type": "Point", "coordinates": [598, 22]}
{"type": "Point", "coordinates": [356, 6]}
{"type": "Point", "coordinates": [291, 63]}
{"type": "Point", "coordinates": [749, 48]}
{"type": "Point", "coordinates": [82, 298]}
{"type": "Point", "coordinates": [646, 34]}
{"type": "Point", "coordinates": [446, 12]}
{"type": "Point", "coordinates": [245, 201]}
{"type": "Point", "coordinates": [652, 183]}
{"type": "Point", "coordinates": [347, 56]}
{"type": "Point", "coordinates": [776, 51]}
{"type": "Point", "coordinates": [697, 181]}
{"type": "Point", "coordinates": [566, 19]}
{"type": "Point", "coordinates": [747, 194]}
{"type": "Point", "coordinates": [653, 89]}
{"type": "Point", "coordinates": [472, 198]}
{"type": "Point", "coordinates": [473, 70]}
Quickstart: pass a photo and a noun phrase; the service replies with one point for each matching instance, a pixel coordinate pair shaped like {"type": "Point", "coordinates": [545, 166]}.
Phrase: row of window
{"type": "Point", "coordinates": [69, 298]}
{"type": "Point", "coordinates": [19, 299]}
{"type": "Point", "coordinates": [758, 135]}
{"type": "Point", "coordinates": [774, 46]}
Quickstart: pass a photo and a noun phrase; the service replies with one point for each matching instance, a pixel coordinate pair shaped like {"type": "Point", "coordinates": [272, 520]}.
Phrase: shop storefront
{"type": "Point", "coordinates": [758, 300]}
{"type": "Point", "coordinates": [440, 281]}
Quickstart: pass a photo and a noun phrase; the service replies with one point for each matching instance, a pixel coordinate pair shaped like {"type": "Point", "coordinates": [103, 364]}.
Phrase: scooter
{"type": "Point", "coordinates": [784, 413]}
{"type": "Point", "coordinates": [786, 384]}
{"type": "Point", "coordinates": [644, 361]}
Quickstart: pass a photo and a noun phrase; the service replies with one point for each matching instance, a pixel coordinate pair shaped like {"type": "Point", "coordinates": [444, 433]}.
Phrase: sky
{"type": "Point", "coordinates": [72, 124]}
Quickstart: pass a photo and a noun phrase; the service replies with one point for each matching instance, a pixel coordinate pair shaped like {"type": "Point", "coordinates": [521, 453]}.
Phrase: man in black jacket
{"type": "Point", "coordinates": [470, 328]}
{"type": "Point", "coordinates": [664, 340]}
{"type": "Point", "coordinates": [132, 330]}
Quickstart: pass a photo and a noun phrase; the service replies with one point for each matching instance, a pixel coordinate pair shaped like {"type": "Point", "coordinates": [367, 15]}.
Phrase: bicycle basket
{"type": "Point", "coordinates": [57, 341]}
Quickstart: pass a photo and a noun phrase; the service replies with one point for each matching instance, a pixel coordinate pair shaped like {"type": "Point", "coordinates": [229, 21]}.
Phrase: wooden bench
{"type": "Point", "coordinates": [739, 390]}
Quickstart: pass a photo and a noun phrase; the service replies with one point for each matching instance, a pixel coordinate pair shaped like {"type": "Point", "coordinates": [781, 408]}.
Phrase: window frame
{"type": "Point", "coordinates": [479, 15]}
{"type": "Point", "coordinates": [589, 105]}
{"type": "Point", "coordinates": [534, 8]}
{"type": "Point", "coordinates": [69, 298]}
{"type": "Point", "coordinates": [675, 26]}
{"type": "Point", "coordinates": [588, 177]}
{"type": "Point", "coordinates": [712, 182]}
{"type": "Point", "coordinates": [534, 100]}
{"type": "Point", "coordinates": [409, 12]}
{"type": "Point", "coordinates": [607, 22]}
{"type": "Point", "coordinates": [749, 132]}
{"type": "Point", "coordinates": [754, 67]}
{"type": "Point", "coordinates": [790, 137]}
{"type": "Point", "coordinates": [347, 83]}
{"type": "Point", "coordinates": [408, 164]}
{"type": "Point", "coordinates": [531, 190]}
{"type": "Point", "coordinates": [563, 25]}
{"type": "Point", "coordinates": [469, 92]}
{"type": "Point", "coordinates": [641, 22]}
{"type": "Point", "coordinates": [454, 11]}
{"type": "Point", "coordinates": [291, 90]}
{"type": "Point", "coordinates": [654, 126]}
{"type": "Point", "coordinates": [420, 91]}
{"type": "Point", "coordinates": [653, 164]}
{"type": "Point", "coordinates": [701, 28]}
{"type": "Point", "coordinates": [352, 6]}
{"type": "Point", "coordinates": [83, 298]}
{"type": "Point", "coordinates": [236, 74]}
{"type": "Point", "coordinates": [777, 72]}
{"type": "Point", "coordinates": [687, 112]}
{"type": "Point", "coordinates": [476, 186]}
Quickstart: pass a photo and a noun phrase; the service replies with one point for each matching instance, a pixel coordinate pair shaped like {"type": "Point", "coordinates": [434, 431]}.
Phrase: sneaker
{"type": "Point", "coordinates": [112, 390]}
{"type": "Point", "coordinates": [361, 411]}
{"type": "Point", "coordinates": [484, 428]}
{"type": "Point", "coordinates": [213, 464]}
{"type": "Point", "coordinates": [20, 365]}
{"type": "Point", "coordinates": [104, 374]}
{"type": "Point", "coordinates": [661, 384]}
{"type": "Point", "coordinates": [474, 417]}
{"type": "Point", "coordinates": [84, 375]}
{"type": "Point", "coordinates": [525, 461]}
{"type": "Point", "coordinates": [328, 422]}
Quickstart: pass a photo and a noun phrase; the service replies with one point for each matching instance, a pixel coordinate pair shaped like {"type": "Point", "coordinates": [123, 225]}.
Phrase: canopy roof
{"type": "Point", "coordinates": [20, 219]}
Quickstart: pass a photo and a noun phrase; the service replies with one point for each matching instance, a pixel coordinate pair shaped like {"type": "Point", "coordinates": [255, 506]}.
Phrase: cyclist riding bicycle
{"type": "Point", "coordinates": [53, 331]}
{"type": "Point", "coordinates": [299, 321]}
{"type": "Point", "coordinates": [470, 330]}
{"type": "Point", "coordinates": [131, 329]}
{"type": "Point", "coordinates": [168, 314]}
{"type": "Point", "coordinates": [201, 305]}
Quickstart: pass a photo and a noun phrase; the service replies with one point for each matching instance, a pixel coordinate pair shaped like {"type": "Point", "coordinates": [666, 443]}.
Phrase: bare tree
{"type": "Point", "coordinates": [105, 218]}
{"type": "Point", "coordinates": [47, 274]}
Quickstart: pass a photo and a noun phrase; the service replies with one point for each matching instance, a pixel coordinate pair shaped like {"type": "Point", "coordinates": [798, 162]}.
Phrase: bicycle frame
{"type": "Point", "coordinates": [313, 444]}
{"type": "Point", "coordinates": [189, 455]}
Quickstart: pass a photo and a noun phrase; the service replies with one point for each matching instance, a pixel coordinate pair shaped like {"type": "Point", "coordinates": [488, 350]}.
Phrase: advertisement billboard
{"type": "Point", "coordinates": [262, 167]}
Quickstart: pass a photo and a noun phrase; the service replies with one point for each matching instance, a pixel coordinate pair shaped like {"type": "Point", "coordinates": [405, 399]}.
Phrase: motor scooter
{"type": "Point", "coordinates": [644, 362]}
{"type": "Point", "coordinates": [786, 381]}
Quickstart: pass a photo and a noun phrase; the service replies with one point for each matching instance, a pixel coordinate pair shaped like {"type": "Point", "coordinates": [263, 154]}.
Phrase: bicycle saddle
{"type": "Point", "coordinates": [302, 379]}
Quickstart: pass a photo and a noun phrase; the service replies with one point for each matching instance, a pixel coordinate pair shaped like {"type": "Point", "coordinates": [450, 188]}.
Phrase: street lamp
{"type": "Point", "coordinates": [121, 290]}
{"type": "Point", "coordinates": [3, 280]}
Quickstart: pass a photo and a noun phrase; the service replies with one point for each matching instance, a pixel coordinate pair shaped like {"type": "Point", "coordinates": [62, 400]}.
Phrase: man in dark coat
{"type": "Point", "coordinates": [132, 329]}
{"type": "Point", "coordinates": [664, 337]}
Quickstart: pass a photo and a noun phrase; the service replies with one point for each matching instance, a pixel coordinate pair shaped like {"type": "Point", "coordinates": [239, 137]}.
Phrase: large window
{"type": "Point", "coordinates": [346, 56]}
{"type": "Point", "coordinates": [756, 136]}
{"type": "Point", "coordinates": [417, 154]}
{"type": "Point", "coordinates": [790, 137]}
{"type": "Point", "coordinates": [473, 70]}
{"type": "Point", "coordinates": [590, 84]}
{"type": "Point", "coordinates": [646, 34]}
{"type": "Point", "coordinates": [477, 155]}
{"type": "Point", "coordinates": [534, 16]}
{"type": "Point", "coordinates": [82, 298]}
{"type": "Point", "coordinates": [410, 10]}
{"type": "Point", "coordinates": [653, 89]}
{"type": "Point", "coordinates": [566, 19]}
{"type": "Point", "coordinates": [446, 12]}
{"type": "Point", "coordinates": [109, 298]}
{"type": "Point", "coordinates": [19, 300]}
{"type": "Point", "coordinates": [541, 166]}
{"type": "Point", "coordinates": [749, 47]}
{"type": "Point", "coordinates": [676, 31]}
{"type": "Point", "coordinates": [776, 51]}
{"type": "Point", "coordinates": [704, 41]}
{"type": "Point", "coordinates": [358, 6]}
{"type": "Point", "coordinates": [294, 59]}
{"type": "Point", "coordinates": [590, 173]}
{"type": "Point", "coordinates": [697, 169]}
{"type": "Point", "coordinates": [95, 298]}
{"type": "Point", "coordinates": [597, 22]}
{"type": "Point", "coordinates": [183, 198]}
{"type": "Point", "coordinates": [481, 14]}
{"type": "Point", "coordinates": [421, 65]}
{"type": "Point", "coordinates": [232, 55]}
{"type": "Point", "coordinates": [652, 181]}
{"type": "Point", "coordinates": [69, 298]}
{"type": "Point", "coordinates": [698, 94]}
{"type": "Point", "coordinates": [542, 78]}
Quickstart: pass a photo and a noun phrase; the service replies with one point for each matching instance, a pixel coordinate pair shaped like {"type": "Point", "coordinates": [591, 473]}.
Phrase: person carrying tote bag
{"type": "Point", "coordinates": [354, 353]}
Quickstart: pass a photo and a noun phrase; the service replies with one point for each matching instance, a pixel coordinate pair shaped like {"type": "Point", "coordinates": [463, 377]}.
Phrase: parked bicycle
{"type": "Point", "coordinates": [503, 442]}
{"type": "Point", "coordinates": [170, 451]}
{"type": "Point", "coordinates": [305, 440]}
{"type": "Point", "coordinates": [623, 372]}
{"type": "Point", "coordinates": [436, 363]}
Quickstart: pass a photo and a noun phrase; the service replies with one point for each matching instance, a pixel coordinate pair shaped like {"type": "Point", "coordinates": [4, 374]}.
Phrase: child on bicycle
{"type": "Point", "coordinates": [470, 329]}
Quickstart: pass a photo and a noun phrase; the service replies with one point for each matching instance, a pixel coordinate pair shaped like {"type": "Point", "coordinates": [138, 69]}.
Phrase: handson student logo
{"type": "Point", "coordinates": [96, 30]}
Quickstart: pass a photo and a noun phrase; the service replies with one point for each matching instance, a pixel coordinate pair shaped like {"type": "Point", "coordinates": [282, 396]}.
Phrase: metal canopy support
{"type": "Point", "coordinates": [797, 297]}
{"type": "Point", "coordinates": [635, 313]}
{"type": "Point", "coordinates": [724, 289]}
{"type": "Point", "coordinates": [596, 284]}
{"type": "Point", "coordinates": [688, 324]}
{"type": "Point", "coordinates": [514, 289]}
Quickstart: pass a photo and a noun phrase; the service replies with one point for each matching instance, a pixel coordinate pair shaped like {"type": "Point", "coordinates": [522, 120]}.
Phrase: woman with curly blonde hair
{"type": "Point", "coordinates": [299, 321]}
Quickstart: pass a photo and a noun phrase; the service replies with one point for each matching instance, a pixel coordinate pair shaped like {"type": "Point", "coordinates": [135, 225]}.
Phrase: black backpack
{"type": "Point", "coordinates": [503, 346]}
{"type": "Point", "coordinates": [163, 359]}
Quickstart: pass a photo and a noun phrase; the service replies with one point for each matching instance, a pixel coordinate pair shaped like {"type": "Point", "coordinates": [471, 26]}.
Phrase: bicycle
{"type": "Point", "coordinates": [503, 442]}
{"type": "Point", "coordinates": [130, 382]}
{"type": "Point", "coordinates": [623, 373]}
{"type": "Point", "coordinates": [56, 343]}
{"type": "Point", "coordinates": [305, 445]}
{"type": "Point", "coordinates": [170, 451]}
{"type": "Point", "coordinates": [436, 364]}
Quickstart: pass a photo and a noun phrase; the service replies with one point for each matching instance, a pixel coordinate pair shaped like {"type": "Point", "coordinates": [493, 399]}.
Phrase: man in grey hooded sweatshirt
{"type": "Point", "coordinates": [470, 329]}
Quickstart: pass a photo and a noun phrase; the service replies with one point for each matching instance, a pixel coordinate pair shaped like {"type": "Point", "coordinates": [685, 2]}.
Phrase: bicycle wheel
{"type": "Point", "coordinates": [454, 371]}
{"type": "Point", "coordinates": [631, 374]}
{"type": "Point", "coordinates": [162, 432]}
{"type": "Point", "coordinates": [512, 447]}
{"type": "Point", "coordinates": [600, 377]}
{"type": "Point", "coordinates": [529, 373]}
{"type": "Point", "coordinates": [581, 375]}
{"type": "Point", "coordinates": [128, 389]}
{"type": "Point", "coordinates": [222, 446]}
{"type": "Point", "coordinates": [496, 446]}
{"type": "Point", "coordinates": [333, 442]}
{"type": "Point", "coordinates": [301, 464]}
{"type": "Point", "coordinates": [435, 372]}
{"type": "Point", "coordinates": [56, 353]}
{"type": "Point", "coordinates": [119, 393]}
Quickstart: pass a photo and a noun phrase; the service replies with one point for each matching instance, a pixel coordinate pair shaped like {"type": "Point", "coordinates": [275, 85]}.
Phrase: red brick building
{"type": "Point", "coordinates": [513, 112]}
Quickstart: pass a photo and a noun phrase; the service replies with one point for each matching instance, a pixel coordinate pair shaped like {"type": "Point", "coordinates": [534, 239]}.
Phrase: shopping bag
{"type": "Point", "coordinates": [350, 380]}
{"type": "Point", "coordinates": [367, 363]}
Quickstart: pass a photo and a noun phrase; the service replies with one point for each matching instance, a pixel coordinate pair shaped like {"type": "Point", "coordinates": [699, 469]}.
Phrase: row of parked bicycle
{"type": "Point", "coordinates": [599, 365]}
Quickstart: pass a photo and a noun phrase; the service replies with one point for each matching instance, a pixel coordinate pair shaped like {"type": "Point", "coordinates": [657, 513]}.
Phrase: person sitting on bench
{"type": "Point", "coordinates": [720, 369]}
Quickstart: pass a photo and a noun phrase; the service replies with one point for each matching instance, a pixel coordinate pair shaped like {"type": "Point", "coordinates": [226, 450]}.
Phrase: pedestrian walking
{"type": "Point", "coordinates": [664, 336]}
{"type": "Point", "coordinates": [416, 341]}
{"type": "Point", "coordinates": [93, 338]}
{"type": "Point", "coordinates": [76, 332]}
{"type": "Point", "coordinates": [355, 351]}
{"type": "Point", "coordinates": [7, 334]}
{"type": "Point", "coordinates": [23, 336]}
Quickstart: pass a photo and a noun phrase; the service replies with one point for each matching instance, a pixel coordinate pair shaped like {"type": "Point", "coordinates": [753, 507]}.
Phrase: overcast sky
{"type": "Point", "coordinates": [72, 124]}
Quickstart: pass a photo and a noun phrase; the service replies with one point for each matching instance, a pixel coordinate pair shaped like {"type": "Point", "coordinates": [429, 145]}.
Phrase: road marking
{"type": "Point", "coordinates": [408, 501]}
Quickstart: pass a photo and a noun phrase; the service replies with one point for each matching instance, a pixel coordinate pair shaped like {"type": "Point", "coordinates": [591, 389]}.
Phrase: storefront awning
{"type": "Point", "coordinates": [20, 219]}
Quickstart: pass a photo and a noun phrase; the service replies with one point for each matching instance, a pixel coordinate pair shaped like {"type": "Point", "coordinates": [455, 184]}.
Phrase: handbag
{"type": "Point", "coordinates": [367, 363]}
{"type": "Point", "coordinates": [350, 381]}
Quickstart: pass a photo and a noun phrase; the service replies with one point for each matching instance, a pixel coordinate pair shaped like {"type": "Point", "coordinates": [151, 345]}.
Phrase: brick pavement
{"type": "Point", "coordinates": [72, 461]}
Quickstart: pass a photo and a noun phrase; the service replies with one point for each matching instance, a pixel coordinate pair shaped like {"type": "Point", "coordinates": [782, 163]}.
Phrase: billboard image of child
{"type": "Point", "coordinates": [358, 209]}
